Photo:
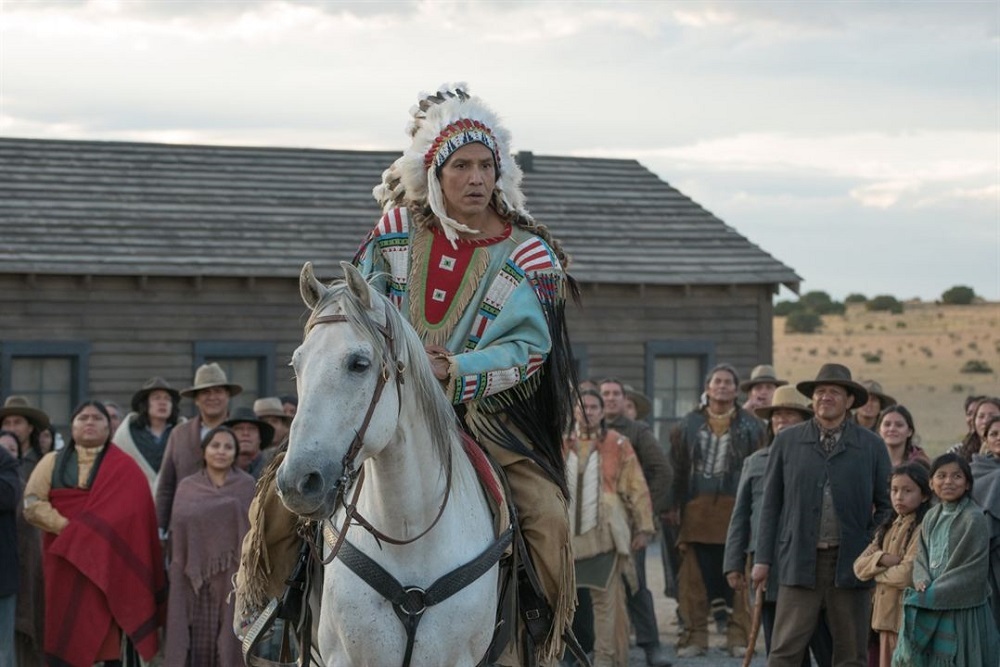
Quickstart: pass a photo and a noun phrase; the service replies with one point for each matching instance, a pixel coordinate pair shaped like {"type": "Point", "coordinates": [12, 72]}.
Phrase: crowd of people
{"type": "Point", "coordinates": [814, 503]}
{"type": "Point", "coordinates": [93, 530]}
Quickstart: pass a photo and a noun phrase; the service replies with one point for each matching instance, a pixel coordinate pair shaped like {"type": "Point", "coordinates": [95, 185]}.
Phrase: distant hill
{"type": "Point", "coordinates": [916, 355]}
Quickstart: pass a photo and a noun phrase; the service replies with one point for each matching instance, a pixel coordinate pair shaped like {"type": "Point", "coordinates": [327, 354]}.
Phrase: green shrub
{"type": "Point", "coordinates": [803, 321]}
{"type": "Point", "coordinates": [976, 366]}
{"type": "Point", "coordinates": [872, 357]}
{"type": "Point", "coordinates": [884, 303]}
{"type": "Point", "coordinates": [856, 298]}
{"type": "Point", "coordinates": [785, 308]}
{"type": "Point", "coordinates": [959, 295]}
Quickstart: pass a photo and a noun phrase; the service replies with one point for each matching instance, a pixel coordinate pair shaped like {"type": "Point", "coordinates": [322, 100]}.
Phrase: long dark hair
{"type": "Point", "coordinates": [972, 443]}
{"type": "Point", "coordinates": [917, 472]}
{"type": "Point", "coordinates": [211, 434]}
{"type": "Point", "coordinates": [602, 427]}
{"type": "Point", "coordinates": [61, 471]}
{"type": "Point", "coordinates": [954, 457]}
{"type": "Point", "coordinates": [142, 420]}
{"type": "Point", "coordinates": [903, 412]}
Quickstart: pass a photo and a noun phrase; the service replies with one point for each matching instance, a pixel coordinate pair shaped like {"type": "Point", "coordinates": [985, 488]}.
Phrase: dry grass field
{"type": "Point", "coordinates": [916, 355]}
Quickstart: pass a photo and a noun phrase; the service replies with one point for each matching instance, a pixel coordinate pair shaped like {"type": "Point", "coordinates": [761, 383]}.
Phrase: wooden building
{"type": "Point", "coordinates": [119, 261]}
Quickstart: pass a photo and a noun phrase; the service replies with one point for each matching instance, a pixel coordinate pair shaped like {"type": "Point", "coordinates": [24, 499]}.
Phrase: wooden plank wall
{"type": "Point", "coordinates": [139, 329]}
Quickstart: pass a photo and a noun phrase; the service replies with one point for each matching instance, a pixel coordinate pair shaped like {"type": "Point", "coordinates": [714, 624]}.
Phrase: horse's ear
{"type": "Point", "coordinates": [357, 284]}
{"type": "Point", "coordinates": [310, 287]}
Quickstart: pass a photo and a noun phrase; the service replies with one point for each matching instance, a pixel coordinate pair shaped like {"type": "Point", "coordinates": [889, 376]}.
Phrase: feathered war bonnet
{"type": "Point", "coordinates": [442, 123]}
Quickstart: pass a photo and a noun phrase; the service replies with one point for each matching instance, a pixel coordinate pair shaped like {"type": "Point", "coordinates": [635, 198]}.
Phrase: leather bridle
{"type": "Point", "coordinates": [356, 475]}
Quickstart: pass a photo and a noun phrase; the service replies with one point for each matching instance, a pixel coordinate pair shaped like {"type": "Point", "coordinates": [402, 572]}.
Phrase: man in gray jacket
{"type": "Point", "coordinates": [825, 490]}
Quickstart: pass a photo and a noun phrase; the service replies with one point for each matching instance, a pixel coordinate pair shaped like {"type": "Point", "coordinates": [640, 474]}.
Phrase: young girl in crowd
{"type": "Point", "coordinates": [889, 558]}
{"type": "Point", "coordinates": [946, 615]}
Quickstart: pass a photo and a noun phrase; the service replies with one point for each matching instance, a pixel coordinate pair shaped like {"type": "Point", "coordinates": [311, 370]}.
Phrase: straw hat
{"type": "Point", "coordinates": [875, 389]}
{"type": "Point", "coordinates": [270, 407]}
{"type": "Point", "coordinates": [210, 375]}
{"type": "Point", "coordinates": [19, 406]}
{"type": "Point", "coordinates": [763, 374]}
{"type": "Point", "coordinates": [152, 384]}
{"type": "Point", "coordinates": [837, 375]}
{"type": "Point", "coordinates": [786, 398]}
{"type": "Point", "coordinates": [247, 416]}
{"type": "Point", "coordinates": [643, 406]}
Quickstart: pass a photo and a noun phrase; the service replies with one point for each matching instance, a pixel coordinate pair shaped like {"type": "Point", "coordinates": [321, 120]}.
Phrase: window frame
{"type": "Point", "coordinates": [704, 350]}
{"type": "Point", "coordinates": [77, 351]}
{"type": "Point", "coordinates": [264, 351]}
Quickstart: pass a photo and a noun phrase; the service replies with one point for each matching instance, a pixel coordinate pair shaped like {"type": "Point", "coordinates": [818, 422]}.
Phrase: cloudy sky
{"type": "Point", "coordinates": [858, 142]}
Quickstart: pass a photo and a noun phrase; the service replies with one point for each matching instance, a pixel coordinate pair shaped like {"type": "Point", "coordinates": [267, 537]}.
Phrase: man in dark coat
{"type": "Point", "coordinates": [826, 489]}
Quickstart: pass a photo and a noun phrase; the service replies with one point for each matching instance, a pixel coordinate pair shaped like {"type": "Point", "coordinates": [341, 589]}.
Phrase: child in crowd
{"type": "Point", "coordinates": [889, 558]}
{"type": "Point", "coordinates": [946, 615]}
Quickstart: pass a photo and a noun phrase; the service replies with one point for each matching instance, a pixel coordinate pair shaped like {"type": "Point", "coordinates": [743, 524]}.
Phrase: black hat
{"type": "Point", "coordinates": [152, 384]}
{"type": "Point", "coordinates": [839, 375]}
{"type": "Point", "coordinates": [247, 416]}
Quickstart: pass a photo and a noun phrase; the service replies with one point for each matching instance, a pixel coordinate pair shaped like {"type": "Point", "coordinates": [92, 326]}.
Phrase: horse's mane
{"type": "Point", "coordinates": [441, 422]}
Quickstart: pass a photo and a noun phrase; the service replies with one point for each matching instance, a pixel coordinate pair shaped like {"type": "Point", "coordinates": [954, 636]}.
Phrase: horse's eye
{"type": "Point", "coordinates": [358, 364]}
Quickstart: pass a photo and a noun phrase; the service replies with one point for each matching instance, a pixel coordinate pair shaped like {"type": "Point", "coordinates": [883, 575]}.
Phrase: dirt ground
{"type": "Point", "coordinates": [666, 616]}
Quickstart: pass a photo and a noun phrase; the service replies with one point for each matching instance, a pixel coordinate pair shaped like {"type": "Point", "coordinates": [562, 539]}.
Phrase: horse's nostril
{"type": "Point", "coordinates": [311, 484]}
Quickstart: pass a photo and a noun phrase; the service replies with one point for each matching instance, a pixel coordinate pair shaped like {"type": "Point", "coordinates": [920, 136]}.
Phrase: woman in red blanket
{"type": "Point", "coordinates": [208, 522]}
{"type": "Point", "coordinates": [104, 579]}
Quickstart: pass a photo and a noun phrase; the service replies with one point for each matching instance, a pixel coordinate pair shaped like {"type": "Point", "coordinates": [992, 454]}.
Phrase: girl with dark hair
{"type": "Point", "coordinates": [946, 615]}
{"type": "Point", "coordinates": [101, 542]}
{"type": "Point", "coordinates": [895, 426]}
{"type": "Point", "coordinates": [208, 522]}
{"type": "Point", "coordinates": [889, 558]}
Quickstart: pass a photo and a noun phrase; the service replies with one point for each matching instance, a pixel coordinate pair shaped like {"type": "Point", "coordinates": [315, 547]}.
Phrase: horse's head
{"type": "Point", "coordinates": [346, 373]}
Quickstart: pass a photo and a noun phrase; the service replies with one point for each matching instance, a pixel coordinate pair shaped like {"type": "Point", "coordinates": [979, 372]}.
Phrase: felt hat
{"type": "Point", "coordinates": [839, 375]}
{"type": "Point", "coordinates": [19, 406]}
{"type": "Point", "coordinates": [643, 406]}
{"type": "Point", "coordinates": [763, 374]}
{"type": "Point", "coordinates": [786, 398]}
{"type": "Point", "coordinates": [270, 407]}
{"type": "Point", "coordinates": [247, 416]}
{"type": "Point", "coordinates": [875, 389]}
{"type": "Point", "coordinates": [210, 375]}
{"type": "Point", "coordinates": [151, 385]}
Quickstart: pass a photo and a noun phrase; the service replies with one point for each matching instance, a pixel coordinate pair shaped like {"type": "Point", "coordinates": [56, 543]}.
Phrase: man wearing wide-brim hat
{"type": "Point", "coordinates": [637, 404]}
{"type": "Point", "coordinates": [253, 435]}
{"type": "Point", "coordinates": [26, 422]}
{"type": "Point", "coordinates": [272, 411]}
{"type": "Point", "coordinates": [788, 407]}
{"type": "Point", "coordinates": [144, 432]}
{"type": "Point", "coordinates": [823, 480]}
{"type": "Point", "coordinates": [867, 413]}
{"type": "Point", "coordinates": [761, 386]}
{"type": "Point", "coordinates": [210, 392]}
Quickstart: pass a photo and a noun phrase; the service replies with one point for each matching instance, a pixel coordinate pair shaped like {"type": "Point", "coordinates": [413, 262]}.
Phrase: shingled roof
{"type": "Point", "coordinates": [110, 208]}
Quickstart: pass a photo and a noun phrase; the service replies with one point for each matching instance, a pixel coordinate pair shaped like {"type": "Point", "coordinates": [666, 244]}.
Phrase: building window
{"type": "Point", "coordinates": [675, 377]}
{"type": "Point", "coordinates": [250, 365]}
{"type": "Point", "coordinates": [53, 376]}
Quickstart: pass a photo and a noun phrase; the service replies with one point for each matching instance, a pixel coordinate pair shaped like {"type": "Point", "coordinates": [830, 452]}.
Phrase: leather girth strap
{"type": "Point", "coordinates": [410, 602]}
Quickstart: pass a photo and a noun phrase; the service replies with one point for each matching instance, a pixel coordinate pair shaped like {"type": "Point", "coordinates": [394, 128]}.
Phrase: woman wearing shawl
{"type": "Point", "coordinates": [986, 473]}
{"type": "Point", "coordinates": [208, 523]}
{"type": "Point", "coordinates": [104, 579]}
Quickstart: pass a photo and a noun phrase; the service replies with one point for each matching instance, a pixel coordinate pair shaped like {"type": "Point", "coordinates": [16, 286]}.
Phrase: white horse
{"type": "Point", "coordinates": [417, 485]}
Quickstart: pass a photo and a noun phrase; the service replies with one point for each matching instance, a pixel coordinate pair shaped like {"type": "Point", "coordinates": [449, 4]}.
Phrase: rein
{"type": "Point", "coordinates": [331, 536]}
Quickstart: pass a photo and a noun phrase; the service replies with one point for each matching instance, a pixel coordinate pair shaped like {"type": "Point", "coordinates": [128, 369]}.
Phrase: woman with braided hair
{"type": "Point", "coordinates": [484, 286]}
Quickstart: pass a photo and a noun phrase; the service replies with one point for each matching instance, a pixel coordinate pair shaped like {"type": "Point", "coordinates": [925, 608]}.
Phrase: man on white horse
{"type": "Point", "coordinates": [484, 286]}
